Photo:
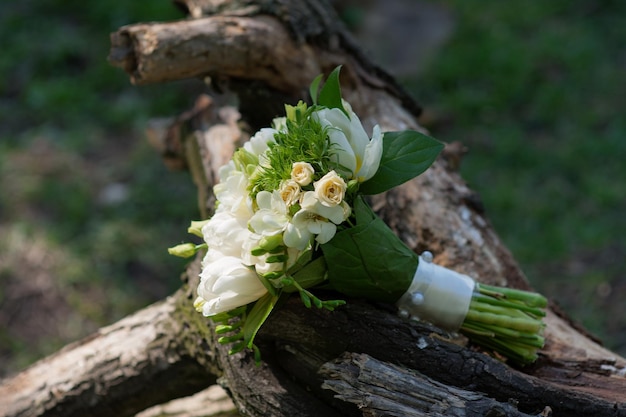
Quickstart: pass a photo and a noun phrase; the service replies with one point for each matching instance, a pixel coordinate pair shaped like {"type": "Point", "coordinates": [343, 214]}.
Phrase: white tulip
{"type": "Point", "coordinates": [351, 145]}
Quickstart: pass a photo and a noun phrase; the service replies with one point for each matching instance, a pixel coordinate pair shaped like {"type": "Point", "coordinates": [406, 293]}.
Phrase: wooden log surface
{"type": "Point", "coordinates": [113, 372]}
{"type": "Point", "coordinates": [138, 361]}
{"type": "Point", "coordinates": [383, 389]}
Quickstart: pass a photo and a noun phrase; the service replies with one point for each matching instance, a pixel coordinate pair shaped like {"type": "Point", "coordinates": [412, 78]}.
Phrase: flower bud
{"type": "Point", "coordinates": [196, 227]}
{"type": "Point", "coordinates": [269, 243]}
{"type": "Point", "coordinates": [198, 303]}
{"type": "Point", "coordinates": [184, 250]}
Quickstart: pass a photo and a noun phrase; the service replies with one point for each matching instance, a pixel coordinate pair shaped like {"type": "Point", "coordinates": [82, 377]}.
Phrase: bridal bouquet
{"type": "Point", "coordinates": [292, 215]}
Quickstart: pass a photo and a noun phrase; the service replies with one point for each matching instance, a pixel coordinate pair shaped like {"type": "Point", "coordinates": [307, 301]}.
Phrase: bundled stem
{"type": "Point", "coordinates": [507, 320]}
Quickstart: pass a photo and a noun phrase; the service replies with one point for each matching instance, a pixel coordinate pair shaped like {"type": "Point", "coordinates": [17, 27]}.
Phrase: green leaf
{"type": "Point", "coordinates": [406, 154]}
{"type": "Point", "coordinates": [312, 274]}
{"type": "Point", "coordinates": [330, 95]}
{"type": "Point", "coordinates": [302, 261]}
{"type": "Point", "coordinates": [257, 316]}
{"type": "Point", "coordinates": [314, 88]}
{"type": "Point", "coordinates": [369, 260]}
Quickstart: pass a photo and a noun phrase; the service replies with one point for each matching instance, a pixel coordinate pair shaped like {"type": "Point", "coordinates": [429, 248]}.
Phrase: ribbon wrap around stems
{"type": "Point", "coordinates": [438, 295]}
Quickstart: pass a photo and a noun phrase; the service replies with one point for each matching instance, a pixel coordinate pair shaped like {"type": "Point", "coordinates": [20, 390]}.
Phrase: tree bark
{"type": "Point", "coordinates": [113, 372]}
{"type": "Point", "coordinates": [383, 389]}
{"type": "Point", "coordinates": [267, 52]}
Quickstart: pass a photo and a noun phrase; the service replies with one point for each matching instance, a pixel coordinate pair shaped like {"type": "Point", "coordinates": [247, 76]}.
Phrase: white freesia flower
{"type": "Point", "coordinates": [302, 173]}
{"type": "Point", "coordinates": [225, 284]}
{"type": "Point", "coordinates": [258, 143]}
{"type": "Point", "coordinates": [260, 262]}
{"type": "Point", "coordinates": [226, 170]}
{"type": "Point", "coordinates": [314, 219]}
{"type": "Point", "coordinates": [306, 224]}
{"type": "Point", "coordinates": [280, 124]}
{"type": "Point", "coordinates": [336, 214]}
{"type": "Point", "coordinates": [232, 192]}
{"type": "Point", "coordinates": [350, 143]}
{"type": "Point", "coordinates": [226, 233]}
{"type": "Point", "coordinates": [330, 189]}
{"type": "Point", "coordinates": [263, 267]}
{"type": "Point", "coordinates": [290, 192]}
{"type": "Point", "coordinates": [271, 218]}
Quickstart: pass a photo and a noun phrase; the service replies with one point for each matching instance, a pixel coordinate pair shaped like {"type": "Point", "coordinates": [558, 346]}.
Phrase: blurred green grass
{"type": "Point", "coordinates": [87, 209]}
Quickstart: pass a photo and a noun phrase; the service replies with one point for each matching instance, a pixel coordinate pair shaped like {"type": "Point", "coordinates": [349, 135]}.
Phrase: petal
{"type": "Point", "coordinates": [341, 151]}
{"type": "Point", "coordinates": [264, 200]}
{"type": "Point", "coordinates": [357, 136]}
{"type": "Point", "coordinates": [372, 156]}
{"type": "Point", "coordinates": [327, 232]}
{"type": "Point", "coordinates": [226, 233]}
{"type": "Point", "coordinates": [259, 142]}
{"type": "Point", "coordinates": [226, 284]}
{"type": "Point", "coordinates": [297, 236]}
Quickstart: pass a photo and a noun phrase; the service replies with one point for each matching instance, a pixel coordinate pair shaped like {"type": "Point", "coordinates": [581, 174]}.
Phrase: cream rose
{"type": "Point", "coordinates": [302, 173]}
{"type": "Point", "coordinates": [330, 189]}
{"type": "Point", "coordinates": [290, 192]}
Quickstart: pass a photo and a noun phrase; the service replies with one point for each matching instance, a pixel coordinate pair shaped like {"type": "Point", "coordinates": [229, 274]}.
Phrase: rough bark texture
{"type": "Point", "coordinates": [394, 391]}
{"type": "Point", "coordinates": [113, 372]}
{"type": "Point", "coordinates": [267, 52]}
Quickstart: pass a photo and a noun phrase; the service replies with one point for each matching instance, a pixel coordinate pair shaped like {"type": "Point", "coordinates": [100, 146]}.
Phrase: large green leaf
{"type": "Point", "coordinates": [369, 260]}
{"type": "Point", "coordinates": [330, 95]}
{"type": "Point", "coordinates": [406, 154]}
{"type": "Point", "coordinates": [312, 274]}
{"type": "Point", "coordinates": [257, 316]}
{"type": "Point", "coordinates": [314, 88]}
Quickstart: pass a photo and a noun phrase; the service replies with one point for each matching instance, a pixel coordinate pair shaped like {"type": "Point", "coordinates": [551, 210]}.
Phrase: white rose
{"type": "Point", "coordinates": [225, 284]}
{"type": "Point", "coordinates": [302, 173]}
{"type": "Point", "coordinates": [330, 189]}
{"type": "Point", "coordinates": [350, 144]}
{"type": "Point", "coordinates": [290, 192]}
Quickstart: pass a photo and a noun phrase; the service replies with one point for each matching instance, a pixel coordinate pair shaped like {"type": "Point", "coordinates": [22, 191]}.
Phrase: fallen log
{"type": "Point", "coordinates": [574, 376]}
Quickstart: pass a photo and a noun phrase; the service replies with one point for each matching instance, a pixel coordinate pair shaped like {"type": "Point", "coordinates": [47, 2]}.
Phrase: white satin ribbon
{"type": "Point", "coordinates": [437, 295]}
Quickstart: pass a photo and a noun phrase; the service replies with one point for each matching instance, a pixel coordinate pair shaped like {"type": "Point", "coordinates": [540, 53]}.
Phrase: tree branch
{"type": "Point", "coordinates": [120, 370]}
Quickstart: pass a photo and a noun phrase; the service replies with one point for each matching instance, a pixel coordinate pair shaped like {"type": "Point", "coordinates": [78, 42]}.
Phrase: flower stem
{"type": "Point", "coordinates": [506, 320]}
